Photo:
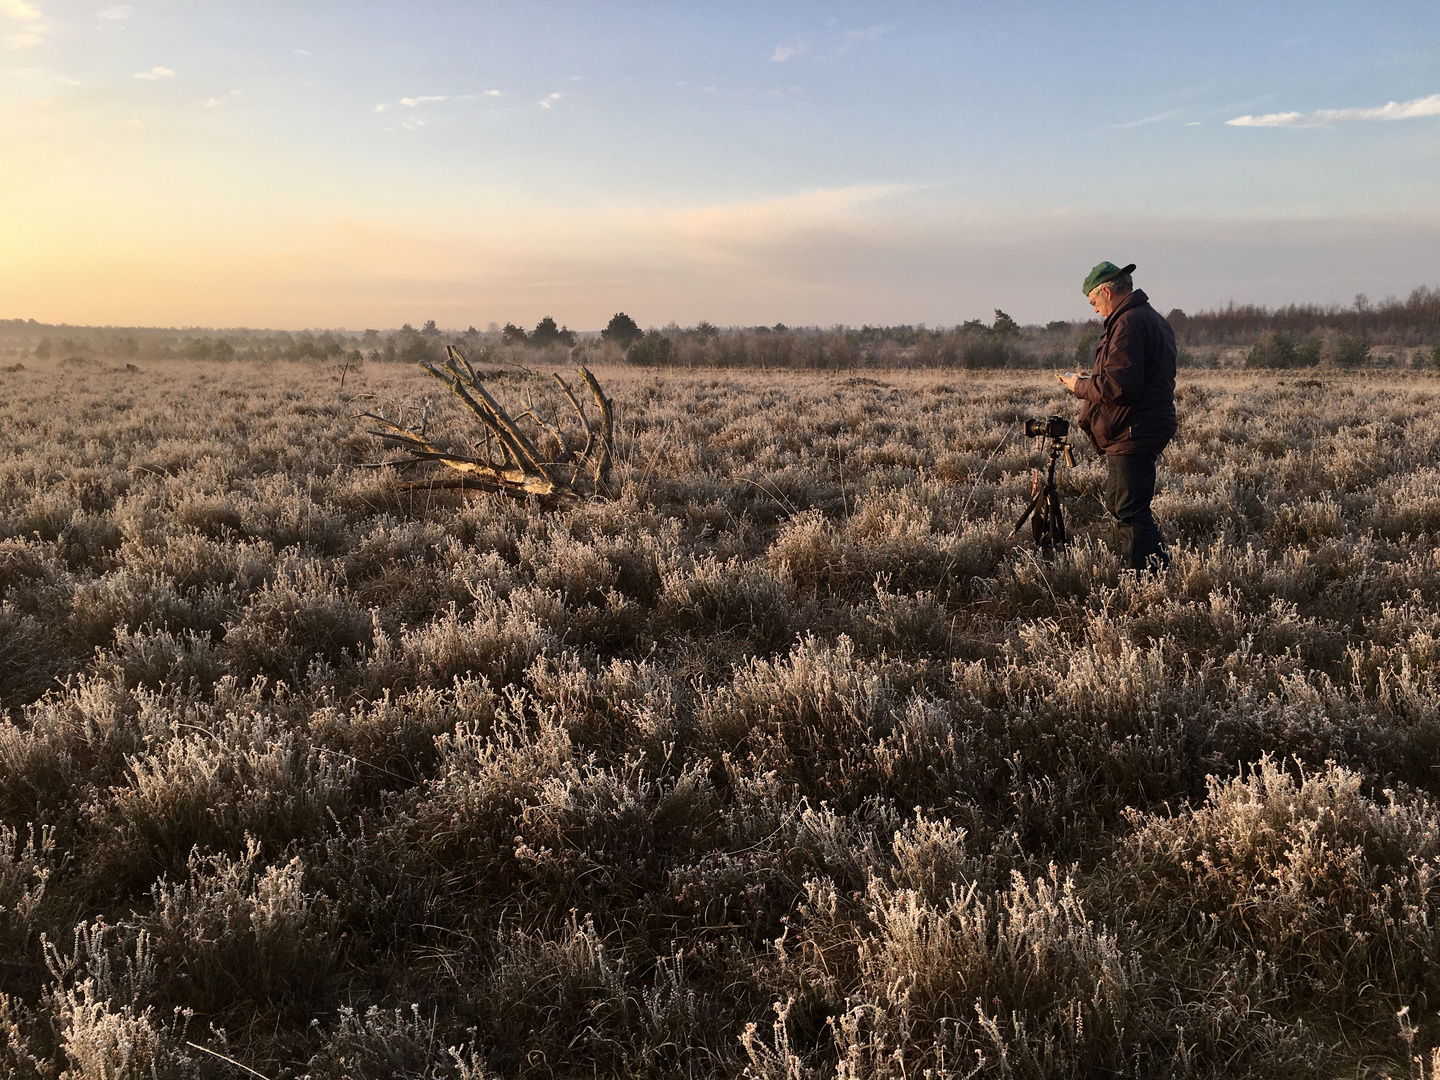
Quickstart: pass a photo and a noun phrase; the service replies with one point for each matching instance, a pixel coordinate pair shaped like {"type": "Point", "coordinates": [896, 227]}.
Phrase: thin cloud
{"type": "Point", "coordinates": [870, 33]}
{"type": "Point", "coordinates": [852, 39]}
{"type": "Point", "coordinates": [1168, 114]}
{"type": "Point", "coordinates": [494, 93]}
{"type": "Point", "coordinates": [115, 12]}
{"type": "Point", "coordinates": [380, 107]}
{"type": "Point", "coordinates": [423, 99]}
{"type": "Point", "coordinates": [546, 102]}
{"type": "Point", "coordinates": [19, 9]}
{"type": "Point", "coordinates": [155, 74]}
{"type": "Point", "coordinates": [1392, 110]}
{"type": "Point", "coordinates": [301, 52]}
{"type": "Point", "coordinates": [29, 14]}
{"type": "Point", "coordinates": [785, 52]}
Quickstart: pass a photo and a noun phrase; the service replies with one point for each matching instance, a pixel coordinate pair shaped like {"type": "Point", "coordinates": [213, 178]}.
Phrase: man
{"type": "Point", "coordinates": [1129, 410]}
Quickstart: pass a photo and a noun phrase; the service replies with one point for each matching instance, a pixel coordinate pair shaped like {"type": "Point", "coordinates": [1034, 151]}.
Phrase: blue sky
{"type": "Point", "coordinates": [366, 164]}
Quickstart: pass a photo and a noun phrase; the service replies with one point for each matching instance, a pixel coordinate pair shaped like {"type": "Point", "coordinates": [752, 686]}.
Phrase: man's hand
{"type": "Point", "coordinates": [1070, 378]}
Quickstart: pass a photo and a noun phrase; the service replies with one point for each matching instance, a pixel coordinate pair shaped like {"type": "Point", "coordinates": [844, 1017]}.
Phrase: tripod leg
{"type": "Point", "coordinates": [1035, 508]}
{"type": "Point", "coordinates": [1048, 524]}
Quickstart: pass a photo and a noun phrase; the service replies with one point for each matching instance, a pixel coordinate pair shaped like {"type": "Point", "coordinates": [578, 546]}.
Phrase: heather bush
{"type": "Point", "coordinates": [294, 621]}
{"type": "Point", "coordinates": [97, 1006]}
{"type": "Point", "coordinates": [216, 787]}
{"type": "Point", "coordinates": [394, 1044]}
{"type": "Point", "coordinates": [1340, 890]}
{"type": "Point", "coordinates": [157, 658]}
{"type": "Point", "coordinates": [1024, 977]}
{"type": "Point", "coordinates": [25, 868]}
{"type": "Point", "coordinates": [237, 931]}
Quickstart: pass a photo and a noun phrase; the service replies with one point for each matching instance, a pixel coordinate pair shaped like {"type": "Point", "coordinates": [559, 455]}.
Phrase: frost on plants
{"type": "Point", "coordinates": [783, 759]}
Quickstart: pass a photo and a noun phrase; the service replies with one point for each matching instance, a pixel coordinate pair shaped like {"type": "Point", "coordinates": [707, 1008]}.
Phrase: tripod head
{"type": "Point", "coordinates": [1057, 430]}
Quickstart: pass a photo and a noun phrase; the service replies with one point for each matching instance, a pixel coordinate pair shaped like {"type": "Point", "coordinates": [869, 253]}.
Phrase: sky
{"type": "Point", "coordinates": [363, 164]}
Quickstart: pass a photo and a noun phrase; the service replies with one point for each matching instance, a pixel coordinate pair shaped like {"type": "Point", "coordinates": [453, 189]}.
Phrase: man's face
{"type": "Point", "coordinates": [1102, 301]}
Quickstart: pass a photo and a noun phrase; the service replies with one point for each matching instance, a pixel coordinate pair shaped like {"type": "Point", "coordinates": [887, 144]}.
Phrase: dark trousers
{"type": "Point", "coordinates": [1129, 487]}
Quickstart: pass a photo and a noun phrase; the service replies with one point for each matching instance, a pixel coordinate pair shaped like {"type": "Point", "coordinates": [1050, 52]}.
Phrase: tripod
{"type": "Point", "coordinates": [1047, 523]}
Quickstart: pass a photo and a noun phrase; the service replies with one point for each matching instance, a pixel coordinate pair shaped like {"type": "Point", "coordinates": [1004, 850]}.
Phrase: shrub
{"type": "Point", "coordinates": [734, 597]}
{"type": "Point", "coordinates": [33, 656]}
{"type": "Point", "coordinates": [240, 777]}
{"type": "Point", "coordinates": [622, 330]}
{"type": "Point", "coordinates": [24, 871]}
{"type": "Point", "coordinates": [100, 1010]}
{"type": "Point", "coordinates": [1339, 890]}
{"type": "Point", "coordinates": [391, 1044]}
{"type": "Point", "coordinates": [654, 349]}
{"type": "Point", "coordinates": [238, 931]}
{"type": "Point", "coordinates": [990, 351]}
{"type": "Point", "coordinates": [1273, 350]}
{"type": "Point", "coordinates": [125, 601]}
{"type": "Point", "coordinates": [984, 979]}
{"type": "Point", "coordinates": [1346, 351]}
{"type": "Point", "coordinates": [295, 620]}
{"type": "Point", "coordinates": [571, 1000]}
{"type": "Point", "coordinates": [500, 642]}
{"type": "Point", "coordinates": [829, 724]}
{"type": "Point", "coordinates": [157, 658]}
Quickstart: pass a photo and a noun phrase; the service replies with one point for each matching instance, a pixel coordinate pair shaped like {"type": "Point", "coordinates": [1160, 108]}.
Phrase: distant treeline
{"type": "Point", "coordinates": [1002, 343]}
{"type": "Point", "coordinates": [1409, 322]}
{"type": "Point", "coordinates": [1298, 335]}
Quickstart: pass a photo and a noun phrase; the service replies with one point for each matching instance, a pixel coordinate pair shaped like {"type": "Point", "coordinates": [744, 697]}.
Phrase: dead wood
{"type": "Point", "coordinates": [521, 470]}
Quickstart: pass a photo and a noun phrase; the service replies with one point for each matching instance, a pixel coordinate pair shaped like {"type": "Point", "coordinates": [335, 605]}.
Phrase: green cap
{"type": "Point", "coordinates": [1102, 273]}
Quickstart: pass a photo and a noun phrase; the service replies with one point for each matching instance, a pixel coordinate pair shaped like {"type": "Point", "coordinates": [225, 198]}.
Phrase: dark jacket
{"type": "Point", "coordinates": [1130, 394]}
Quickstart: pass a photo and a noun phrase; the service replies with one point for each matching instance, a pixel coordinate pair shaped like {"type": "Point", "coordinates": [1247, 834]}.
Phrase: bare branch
{"type": "Point", "coordinates": [553, 431]}
{"type": "Point", "coordinates": [607, 425]}
{"type": "Point", "coordinates": [523, 471]}
{"type": "Point", "coordinates": [584, 420]}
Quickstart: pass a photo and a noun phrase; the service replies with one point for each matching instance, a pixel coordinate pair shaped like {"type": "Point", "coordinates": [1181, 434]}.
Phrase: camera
{"type": "Point", "coordinates": [1052, 427]}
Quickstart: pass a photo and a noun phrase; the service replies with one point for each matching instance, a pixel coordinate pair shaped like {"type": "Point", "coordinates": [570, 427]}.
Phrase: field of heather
{"type": "Point", "coordinates": [786, 761]}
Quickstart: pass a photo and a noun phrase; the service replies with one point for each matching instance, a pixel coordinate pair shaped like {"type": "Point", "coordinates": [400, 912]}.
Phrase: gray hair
{"type": "Point", "coordinates": [1119, 285]}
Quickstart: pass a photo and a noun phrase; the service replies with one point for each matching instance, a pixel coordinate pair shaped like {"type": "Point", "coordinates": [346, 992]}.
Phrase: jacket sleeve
{"type": "Point", "coordinates": [1119, 375]}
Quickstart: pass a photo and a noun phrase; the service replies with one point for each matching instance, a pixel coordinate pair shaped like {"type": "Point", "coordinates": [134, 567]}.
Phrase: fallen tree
{"type": "Point", "coordinates": [510, 462]}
